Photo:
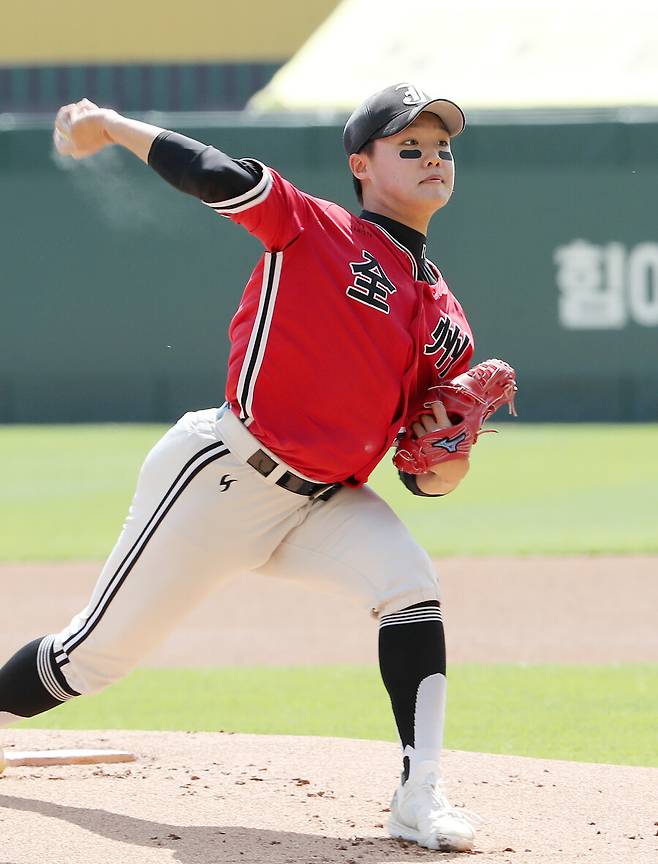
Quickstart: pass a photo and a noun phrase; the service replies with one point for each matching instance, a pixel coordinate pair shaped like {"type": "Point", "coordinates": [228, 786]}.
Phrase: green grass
{"type": "Point", "coordinates": [545, 489]}
{"type": "Point", "coordinates": [66, 489]}
{"type": "Point", "coordinates": [583, 713]}
{"type": "Point", "coordinates": [531, 489]}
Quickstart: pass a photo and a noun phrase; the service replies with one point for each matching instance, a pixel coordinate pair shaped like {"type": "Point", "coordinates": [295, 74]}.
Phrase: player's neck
{"type": "Point", "coordinates": [411, 217]}
{"type": "Point", "coordinates": [414, 240]}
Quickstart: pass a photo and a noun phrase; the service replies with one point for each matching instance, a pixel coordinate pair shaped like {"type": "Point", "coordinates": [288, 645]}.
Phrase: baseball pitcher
{"type": "Point", "coordinates": [347, 342]}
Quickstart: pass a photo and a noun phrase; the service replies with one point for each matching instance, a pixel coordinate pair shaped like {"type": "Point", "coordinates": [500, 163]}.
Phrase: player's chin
{"type": "Point", "coordinates": [433, 202]}
{"type": "Point", "coordinates": [438, 193]}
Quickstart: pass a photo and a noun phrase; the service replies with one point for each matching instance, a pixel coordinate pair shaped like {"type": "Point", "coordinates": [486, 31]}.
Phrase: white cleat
{"type": "Point", "coordinates": [420, 812]}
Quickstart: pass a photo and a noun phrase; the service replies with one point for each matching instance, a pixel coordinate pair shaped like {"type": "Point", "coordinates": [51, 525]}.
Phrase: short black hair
{"type": "Point", "coordinates": [367, 149]}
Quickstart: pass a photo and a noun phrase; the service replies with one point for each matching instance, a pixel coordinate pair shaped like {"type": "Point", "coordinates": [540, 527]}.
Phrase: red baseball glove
{"type": "Point", "coordinates": [469, 399]}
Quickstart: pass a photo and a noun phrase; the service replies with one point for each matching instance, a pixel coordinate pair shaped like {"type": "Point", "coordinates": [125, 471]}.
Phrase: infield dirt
{"type": "Point", "coordinates": [203, 798]}
{"type": "Point", "coordinates": [208, 798]}
{"type": "Point", "coordinates": [578, 609]}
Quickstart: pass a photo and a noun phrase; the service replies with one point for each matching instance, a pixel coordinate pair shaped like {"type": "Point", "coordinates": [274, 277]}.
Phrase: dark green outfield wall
{"type": "Point", "coordinates": [117, 291]}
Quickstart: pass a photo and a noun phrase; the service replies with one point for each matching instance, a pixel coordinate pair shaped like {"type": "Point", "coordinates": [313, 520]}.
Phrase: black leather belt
{"type": "Point", "coordinates": [264, 464]}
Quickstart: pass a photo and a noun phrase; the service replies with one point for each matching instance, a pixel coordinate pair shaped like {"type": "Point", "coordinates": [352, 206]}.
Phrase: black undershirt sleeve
{"type": "Point", "coordinates": [411, 482]}
{"type": "Point", "coordinates": [201, 170]}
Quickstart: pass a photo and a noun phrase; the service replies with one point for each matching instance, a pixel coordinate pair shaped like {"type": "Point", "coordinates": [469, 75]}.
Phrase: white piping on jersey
{"type": "Point", "coordinates": [46, 673]}
{"type": "Point", "coordinates": [248, 199]}
{"type": "Point", "coordinates": [414, 266]}
{"type": "Point", "coordinates": [435, 270]}
{"type": "Point", "coordinates": [260, 330]}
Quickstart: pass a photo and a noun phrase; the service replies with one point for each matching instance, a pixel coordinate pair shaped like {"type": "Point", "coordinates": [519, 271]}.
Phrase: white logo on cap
{"type": "Point", "coordinates": [412, 95]}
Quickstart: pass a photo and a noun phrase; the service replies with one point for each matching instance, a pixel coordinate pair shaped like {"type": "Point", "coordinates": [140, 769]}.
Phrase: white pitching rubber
{"type": "Point", "coordinates": [36, 758]}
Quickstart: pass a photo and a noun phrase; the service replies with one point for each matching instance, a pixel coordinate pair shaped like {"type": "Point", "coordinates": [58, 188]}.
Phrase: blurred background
{"type": "Point", "coordinates": [117, 292]}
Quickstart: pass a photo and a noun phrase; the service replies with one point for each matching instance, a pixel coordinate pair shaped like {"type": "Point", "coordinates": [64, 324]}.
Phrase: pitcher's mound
{"type": "Point", "coordinates": [208, 798]}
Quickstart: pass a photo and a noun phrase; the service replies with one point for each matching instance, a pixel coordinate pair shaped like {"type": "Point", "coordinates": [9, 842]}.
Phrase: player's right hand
{"type": "Point", "coordinates": [80, 129]}
{"type": "Point", "coordinates": [438, 419]}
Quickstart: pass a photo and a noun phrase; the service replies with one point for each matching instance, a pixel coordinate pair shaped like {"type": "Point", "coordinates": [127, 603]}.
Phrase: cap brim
{"type": "Point", "coordinates": [449, 113]}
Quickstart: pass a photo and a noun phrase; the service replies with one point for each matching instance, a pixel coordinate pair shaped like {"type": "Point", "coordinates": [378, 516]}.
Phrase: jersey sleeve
{"type": "Point", "coordinates": [274, 210]}
{"type": "Point", "coordinates": [199, 169]}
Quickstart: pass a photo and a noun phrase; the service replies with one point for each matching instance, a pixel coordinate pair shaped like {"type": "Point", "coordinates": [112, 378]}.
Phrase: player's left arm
{"type": "Point", "coordinates": [446, 476]}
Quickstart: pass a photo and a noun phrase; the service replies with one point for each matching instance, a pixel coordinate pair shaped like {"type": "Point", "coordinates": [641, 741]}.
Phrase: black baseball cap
{"type": "Point", "coordinates": [391, 110]}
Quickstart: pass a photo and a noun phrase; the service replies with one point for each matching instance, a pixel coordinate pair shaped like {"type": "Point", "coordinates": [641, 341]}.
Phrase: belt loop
{"type": "Point", "coordinates": [276, 474]}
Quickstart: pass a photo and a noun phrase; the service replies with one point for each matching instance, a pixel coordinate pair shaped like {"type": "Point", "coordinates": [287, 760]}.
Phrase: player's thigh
{"type": "Point", "coordinates": [198, 514]}
{"type": "Point", "coordinates": [354, 543]}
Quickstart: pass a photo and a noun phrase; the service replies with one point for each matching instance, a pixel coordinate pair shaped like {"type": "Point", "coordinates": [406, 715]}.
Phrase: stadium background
{"type": "Point", "coordinates": [549, 241]}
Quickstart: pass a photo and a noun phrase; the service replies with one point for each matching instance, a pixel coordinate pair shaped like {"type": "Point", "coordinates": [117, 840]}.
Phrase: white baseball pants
{"type": "Point", "coordinates": [199, 514]}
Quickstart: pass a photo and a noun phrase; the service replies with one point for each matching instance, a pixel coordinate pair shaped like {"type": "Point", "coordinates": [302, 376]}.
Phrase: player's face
{"type": "Point", "coordinates": [412, 172]}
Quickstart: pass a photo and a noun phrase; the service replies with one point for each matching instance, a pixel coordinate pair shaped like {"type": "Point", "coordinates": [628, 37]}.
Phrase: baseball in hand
{"type": "Point", "coordinates": [80, 129]}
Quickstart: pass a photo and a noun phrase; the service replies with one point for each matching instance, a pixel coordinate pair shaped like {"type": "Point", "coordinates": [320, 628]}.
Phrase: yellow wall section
{"type": "Point", "coordinates": [162, 31]}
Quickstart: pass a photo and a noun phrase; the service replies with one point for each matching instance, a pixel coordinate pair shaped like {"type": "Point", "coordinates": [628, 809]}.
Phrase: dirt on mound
{"type": "Point", "coordinates": [204, 798]}
{"type": "Point", "coordinates": [537, 609]}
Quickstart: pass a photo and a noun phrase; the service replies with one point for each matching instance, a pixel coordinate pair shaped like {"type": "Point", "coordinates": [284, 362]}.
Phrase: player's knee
{"type": "Point", "coordinates": [422, 576]}
{"type": "Point", "coordinates": [415, 582]}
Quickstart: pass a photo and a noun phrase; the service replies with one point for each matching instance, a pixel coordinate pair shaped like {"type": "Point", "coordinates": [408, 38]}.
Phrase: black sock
{"type": "Point", "coordinates": [411, 649]}
{"type": "Point", "coordinates": [30, 679]}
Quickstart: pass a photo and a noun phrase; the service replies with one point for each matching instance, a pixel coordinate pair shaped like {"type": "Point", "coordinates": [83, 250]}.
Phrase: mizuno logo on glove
{"type": "Point", "coordinates": [472, 397]}
{"type": "Point", "coordinates": [450, 444]}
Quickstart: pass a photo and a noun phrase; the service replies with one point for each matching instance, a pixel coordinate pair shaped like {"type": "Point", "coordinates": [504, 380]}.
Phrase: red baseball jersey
{"type": "Point", "coordinates": [335, 337]}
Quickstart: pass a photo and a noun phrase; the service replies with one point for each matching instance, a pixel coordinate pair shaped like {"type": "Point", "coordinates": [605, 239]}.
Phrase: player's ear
{"type": "Point", "coordinates": [358, 163]}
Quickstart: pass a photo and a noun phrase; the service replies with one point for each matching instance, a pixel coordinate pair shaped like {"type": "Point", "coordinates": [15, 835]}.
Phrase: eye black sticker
{"type": "Point", "coordinates": [410, 154]}
{"type": "Point", "coordinates": [446, 155]}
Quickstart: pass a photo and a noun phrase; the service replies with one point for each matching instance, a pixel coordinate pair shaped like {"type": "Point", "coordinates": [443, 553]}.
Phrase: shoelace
{"type": "Point", "coordinates": [435, 788]}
